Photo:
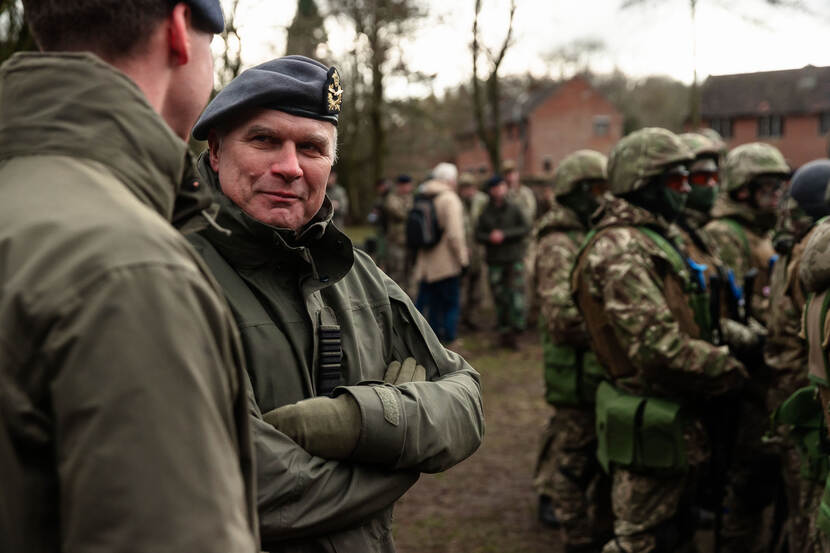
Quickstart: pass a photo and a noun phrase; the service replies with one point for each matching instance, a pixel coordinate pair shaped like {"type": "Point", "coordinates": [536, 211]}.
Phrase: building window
{"type": "Point", "coordinates": [723, 126]}
{"type": "Point", "coordinates": [824, 123]}
{"type": "Point", "coordinates": [602, 125]}
{"type": "Point", "coordinates": [770, 126]}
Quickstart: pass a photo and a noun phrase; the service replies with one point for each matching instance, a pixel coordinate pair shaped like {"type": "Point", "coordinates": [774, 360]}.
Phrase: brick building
{"type": "Point", "coordinates": [544, 127]}
{"type": "Point", "coordinates": [789, 109]}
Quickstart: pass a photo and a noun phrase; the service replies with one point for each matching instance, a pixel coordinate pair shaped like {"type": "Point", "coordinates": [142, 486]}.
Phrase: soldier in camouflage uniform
{"type": "Point", "coordinates": [785, 352]}
{"type": "Point", "coordinates": [745, 213]}
{"type": "Point", "coordinates": [503, 229]}
{"type": "Point", "coordinates": [642, 309]}
{"type": "Point", "coordinates": [814, 274]}
{"type": "Point", "coordinates": [567, 474]}
{"type": "Point", "coordinates": [523, 197]}
{"type": "Point", "coordinates": [743, 216]}
{"type": "Point", "coordinates": [472, 284]}
{"type": "Point", "coordinates": [396, 207]}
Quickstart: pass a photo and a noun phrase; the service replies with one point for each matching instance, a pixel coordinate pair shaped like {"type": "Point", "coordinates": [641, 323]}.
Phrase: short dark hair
{"type": "Point", "coordinates": [113, 29]}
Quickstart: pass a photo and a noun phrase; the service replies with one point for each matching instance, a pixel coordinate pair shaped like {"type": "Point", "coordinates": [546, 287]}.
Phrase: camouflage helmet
{"type": "Point", "coordinates": [747, 161]}
{"type": "Point", "coordinates": [642, 155]}
{"type": "Point", "coordinates": [716, 139]}
{"type": "Point", "coordinates": [700, 144]}
{"type": "Point", "coordinates": [580, 165]}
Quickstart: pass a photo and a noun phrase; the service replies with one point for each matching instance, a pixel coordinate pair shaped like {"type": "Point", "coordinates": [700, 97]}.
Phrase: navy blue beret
{"type": "Point", "coordinates": [211, 13]}
{"type": "Point", "coordinates": [495, 180]}
{"type": "Point", "coordinates": [293, 84]}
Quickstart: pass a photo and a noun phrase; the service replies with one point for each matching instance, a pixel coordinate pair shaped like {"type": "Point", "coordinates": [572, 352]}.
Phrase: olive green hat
{"type": "Point", "coordinates": [642, 155]}
{"type": "Point", "coordinates": [747, 161]}
{"type": "Point", "coordinates": [580, 165]}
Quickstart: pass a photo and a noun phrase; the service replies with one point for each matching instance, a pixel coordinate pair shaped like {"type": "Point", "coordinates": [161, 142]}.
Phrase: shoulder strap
{"type": "Point", "coordinates": [239, 295]}
{"type": "Point", "coordinates": [739, 230]}
{"type": "Point", "coordinates": [665, 246]}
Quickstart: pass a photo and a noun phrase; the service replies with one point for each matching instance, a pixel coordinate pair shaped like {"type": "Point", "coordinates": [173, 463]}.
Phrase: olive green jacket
{"type": "Point", "coordinates": [507, 218]}
{"type": "Point", "coordinates": [282, 291]}
{"type": "Point", "coordinates": [123, 420]}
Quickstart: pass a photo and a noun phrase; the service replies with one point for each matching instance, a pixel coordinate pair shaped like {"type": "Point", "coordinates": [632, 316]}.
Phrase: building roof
{"type": "Point", "coordinates": [792, 91]}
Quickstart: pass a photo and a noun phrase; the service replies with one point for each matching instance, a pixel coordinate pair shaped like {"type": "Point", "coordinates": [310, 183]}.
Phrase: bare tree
{"type": "Point", "coordinates": [575, 57]}
{"type": "Point", "coordinates": [229, 63]}
{"type": "Point", "coordinates": [487, 102]}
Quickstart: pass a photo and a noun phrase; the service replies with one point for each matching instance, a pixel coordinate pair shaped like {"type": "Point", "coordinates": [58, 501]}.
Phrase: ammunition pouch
{"type": "Point", "coordinates": [639, 432]}
{"type": "Point", "coordinates": [802, 412]}
{"type": "Point", "coordinates": [571, 375]}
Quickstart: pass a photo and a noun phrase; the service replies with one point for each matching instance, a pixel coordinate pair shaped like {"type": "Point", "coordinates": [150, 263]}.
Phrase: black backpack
{"type": "Point", "coordinates": [422, 228]}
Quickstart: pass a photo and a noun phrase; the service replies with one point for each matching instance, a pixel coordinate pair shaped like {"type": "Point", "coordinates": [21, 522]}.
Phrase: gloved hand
{"type": "Point", "coordinates": [398, 373]}
{"type": "Point", "coordinates": [327, 427]}
{"type": "Point", "coordinates": [746, 342]}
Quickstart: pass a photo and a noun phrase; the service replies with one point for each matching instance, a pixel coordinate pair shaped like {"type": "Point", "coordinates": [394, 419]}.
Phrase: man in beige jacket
{"type": "Point", "coordinates": [438, 269]}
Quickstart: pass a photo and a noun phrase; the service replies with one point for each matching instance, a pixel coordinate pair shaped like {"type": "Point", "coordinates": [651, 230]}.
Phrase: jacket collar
{"type": "Point", "coordinates": [618, 212]}
{"type": "Point", "coordinates": [252, 244]}
{"type": "Point", "coordinates": [558, 218]}
{"type": "Point", "coordinates": [74, 104]}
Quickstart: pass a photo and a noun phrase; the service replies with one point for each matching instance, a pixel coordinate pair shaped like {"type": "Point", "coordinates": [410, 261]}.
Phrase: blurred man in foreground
{"type": "Point", "coordinates": [124, 422]}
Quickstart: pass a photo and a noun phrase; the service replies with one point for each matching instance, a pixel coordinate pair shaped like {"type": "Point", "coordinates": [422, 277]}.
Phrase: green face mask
{"type": "Point", "coordinates": [702, 198]}
{"type": "Point", "coordinates": [673, 205]}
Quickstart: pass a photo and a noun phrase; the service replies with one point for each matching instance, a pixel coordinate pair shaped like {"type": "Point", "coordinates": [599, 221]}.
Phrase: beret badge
{"type": "Point", "coordinates": [333, 92]}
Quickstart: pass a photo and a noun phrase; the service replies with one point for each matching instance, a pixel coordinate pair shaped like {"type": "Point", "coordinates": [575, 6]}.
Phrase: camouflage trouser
{"type": "Point", "coordinates": [803, 498]}
{"type": "Point", "coordinates": [397, 266]}
{"type": "Point", "coordinates": [531, 306]}
{"type": "Point", "coordinates": [652, 509]}
{"type": "Point", "coordinates": [568, 472]}
{"type": "Point", "coordinates": [507, 286]}
{"type": "Point", "coordinates": [751, 485]}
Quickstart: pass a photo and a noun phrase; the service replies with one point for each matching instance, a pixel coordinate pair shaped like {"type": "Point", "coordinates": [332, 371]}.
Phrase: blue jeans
{"type": "Point", "coordinates": [440, 302]}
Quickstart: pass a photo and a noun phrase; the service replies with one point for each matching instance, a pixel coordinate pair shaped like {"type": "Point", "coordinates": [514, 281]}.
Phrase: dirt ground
{"type": "Point", "coordinates": [487, 503]}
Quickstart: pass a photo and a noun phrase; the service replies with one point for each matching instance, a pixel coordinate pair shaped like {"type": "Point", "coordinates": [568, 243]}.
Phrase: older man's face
{"type": "Point", "coordinates": [275, 166]}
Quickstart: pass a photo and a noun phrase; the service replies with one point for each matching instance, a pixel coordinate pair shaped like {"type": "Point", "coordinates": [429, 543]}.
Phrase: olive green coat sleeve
{"type": "Point", "coordinates": [301, 495]}
{"type": "Point", "coordinates": [145, 444]}
{"type": "Point", "coordinates": [426, 426]}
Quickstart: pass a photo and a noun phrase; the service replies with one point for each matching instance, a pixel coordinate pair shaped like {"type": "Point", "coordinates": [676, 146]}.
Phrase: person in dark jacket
{"type": "Point", "coordinates": [502, 228]}
{"type": "Point", "coordinates": [359, 393]}
{"type": "Point", "coordinates": [124, 421]}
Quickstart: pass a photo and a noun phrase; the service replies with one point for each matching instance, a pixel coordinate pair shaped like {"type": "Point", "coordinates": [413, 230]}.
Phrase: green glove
{"type": "Point", "coordinates": [324, 426]}
{"type": "Point", "coordinates": [409, 371]}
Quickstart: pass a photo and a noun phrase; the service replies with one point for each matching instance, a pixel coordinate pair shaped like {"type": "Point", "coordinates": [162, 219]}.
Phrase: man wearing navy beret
{"type": "Point", "coordinates": [124, 421]}
{"type": "Point", "coordinates": [359, 395]}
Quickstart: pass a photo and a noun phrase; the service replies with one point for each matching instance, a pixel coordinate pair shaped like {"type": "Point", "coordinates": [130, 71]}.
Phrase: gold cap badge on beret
{"type": "Point", "coordinates": [334, 92]}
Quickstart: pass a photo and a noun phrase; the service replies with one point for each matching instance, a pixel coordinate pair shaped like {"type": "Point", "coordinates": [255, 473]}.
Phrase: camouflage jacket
{"type": "Point", "coordinates": [785, 351]}
{"type": "Point", "coordinates": [396, 207]}
{"type": "Point", "coordinates": [473, 207]}
{"type": "Point", "coordinates": [742, 251]}
{"type": "Point", "coordinates": [558, 235]}
{"type": "Point", "coordinates": [637, 313]}
{"type": "Point", "coordinates": [525, 199]}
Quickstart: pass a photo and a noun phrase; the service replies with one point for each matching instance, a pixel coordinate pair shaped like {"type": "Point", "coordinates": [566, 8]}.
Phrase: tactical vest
{"type": "Point", "coordinates": [815, 332]}
{"type": "Point", "coordinates": [571, 374]}
{"type": "Point", "coordinates": [636, 432]}
{"type": "Point", "coordinates": [686, 299]}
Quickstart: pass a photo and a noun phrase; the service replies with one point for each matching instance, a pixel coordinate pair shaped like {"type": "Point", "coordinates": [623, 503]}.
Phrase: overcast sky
{"type": "Point", "coordinates": [734, 36]}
